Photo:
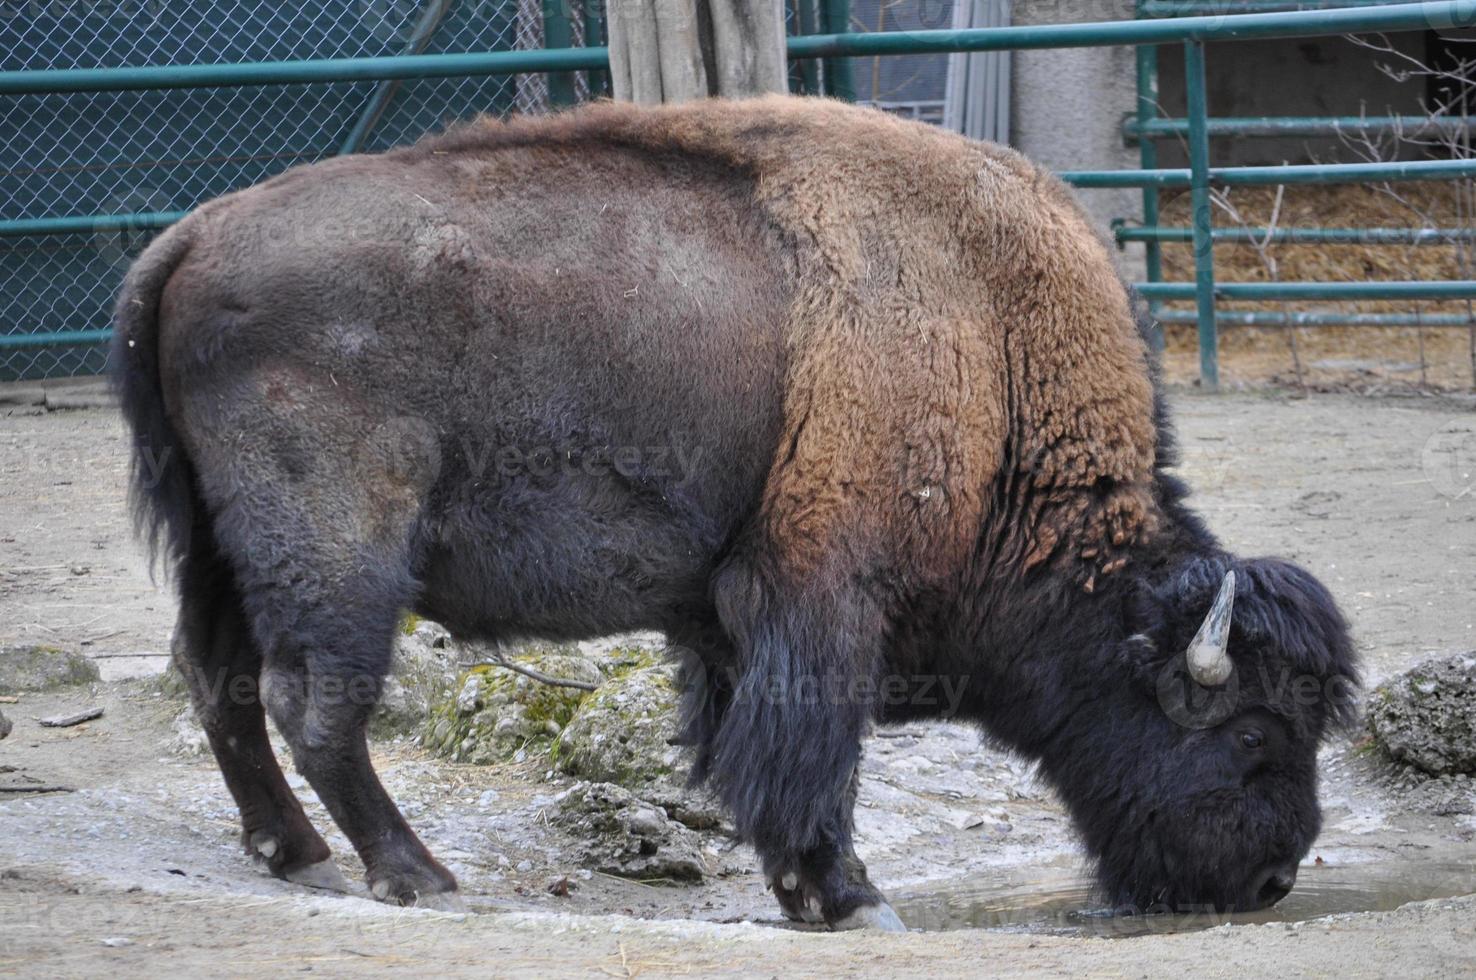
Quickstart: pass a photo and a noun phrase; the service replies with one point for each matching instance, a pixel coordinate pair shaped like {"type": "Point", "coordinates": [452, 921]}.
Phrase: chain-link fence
{"type": "Point", "coordinates": [100, 153]}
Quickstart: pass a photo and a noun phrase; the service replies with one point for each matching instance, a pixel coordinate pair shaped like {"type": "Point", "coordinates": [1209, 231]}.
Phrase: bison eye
{"type": "Point", "coordinates": [1252, 739]}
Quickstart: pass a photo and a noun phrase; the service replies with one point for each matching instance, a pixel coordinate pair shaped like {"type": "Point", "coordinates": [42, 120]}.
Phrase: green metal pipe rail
{"type": "Point", "coordinates": [1322, 318]}
{"type": "Point", "coordinates": [1133, 129]}
{"type": "Point", "coordinates": [1303, 236]}
{"type": "Point", "coordinates": [1315, 173]}
{"type": "Point", "coordinates": [1442, 289]}
{"type": "Point", "coordinates": [835, 48]}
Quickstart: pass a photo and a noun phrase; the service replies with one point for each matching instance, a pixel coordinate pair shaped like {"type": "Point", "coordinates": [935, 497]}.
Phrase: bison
{"type": "Point", "coordinates": [855, 410]}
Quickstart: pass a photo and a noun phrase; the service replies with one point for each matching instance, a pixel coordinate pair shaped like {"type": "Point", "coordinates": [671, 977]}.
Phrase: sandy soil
{"type": "Point", "coordinates": [138, 869]}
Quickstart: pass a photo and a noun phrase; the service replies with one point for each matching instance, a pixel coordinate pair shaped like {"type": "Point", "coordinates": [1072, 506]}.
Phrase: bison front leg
{"type": "Point", "coordinates": [784, 755]}
{"type": "Point", "coordinates": [828, 883]}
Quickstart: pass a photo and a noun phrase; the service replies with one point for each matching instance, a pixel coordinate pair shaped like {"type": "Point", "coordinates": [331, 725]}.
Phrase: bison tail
{"type": "Point", "coordinates": [162, 491]}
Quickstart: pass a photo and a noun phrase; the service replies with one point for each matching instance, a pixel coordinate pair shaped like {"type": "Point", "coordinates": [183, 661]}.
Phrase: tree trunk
{"type": "Point", "coordinates": [679, 50]}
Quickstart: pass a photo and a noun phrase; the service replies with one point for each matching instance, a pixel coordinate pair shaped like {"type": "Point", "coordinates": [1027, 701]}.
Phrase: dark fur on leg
{"type": "Point", "coordinates": [322, 681]}
{"type": "Point", "coordinates": [214, 652]}
{"type": "Point", "coordinates": [785, 749]}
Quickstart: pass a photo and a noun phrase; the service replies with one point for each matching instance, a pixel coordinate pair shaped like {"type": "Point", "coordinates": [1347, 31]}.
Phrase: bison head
{"type": "Point", "coordinates": [1194, 779]}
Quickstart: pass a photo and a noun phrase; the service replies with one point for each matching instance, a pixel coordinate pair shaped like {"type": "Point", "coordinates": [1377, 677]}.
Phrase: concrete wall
{"type": "Point", "coordinates": [1067, 107]}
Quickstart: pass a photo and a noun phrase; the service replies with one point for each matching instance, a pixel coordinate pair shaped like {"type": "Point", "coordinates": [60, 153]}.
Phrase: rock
{"type": "Point", "coordinates": [5, 725]}
{"type": "Point", "coordinates": [422, 675]}
{"type": "Point", "coordinates": [1426, 716]}
{"type": "Point", "coordinates": [42, 668]}
{"type": "Point", "coordinates": [171, 684]}
{"type": "Point", "coordinates": [622, 733]}
{"type": "Point", "coordinates": [186, 737]}
{"type": "Point", "coordinates": [622, 834]}
{"type": "Point", "coordinates": [72, 718]}
{"type": "Point", "coordinates": [492, 713]}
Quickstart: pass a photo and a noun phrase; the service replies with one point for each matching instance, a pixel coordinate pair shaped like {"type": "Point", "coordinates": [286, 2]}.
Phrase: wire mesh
{"type": "Point", "coordinates": [165, 150]}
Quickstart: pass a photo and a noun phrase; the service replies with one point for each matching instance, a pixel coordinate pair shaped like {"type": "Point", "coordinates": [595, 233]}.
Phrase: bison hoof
{"type": "Point", "coordinates": [440, 901]}
{"type": "Point", "coordinates": [323, 874]}
{"type": "Point", "coordinates": [880, 917]}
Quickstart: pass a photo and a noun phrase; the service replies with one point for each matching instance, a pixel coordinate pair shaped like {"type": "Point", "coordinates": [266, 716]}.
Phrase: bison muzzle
{"type": "Point", "coordinates": [854, 410]}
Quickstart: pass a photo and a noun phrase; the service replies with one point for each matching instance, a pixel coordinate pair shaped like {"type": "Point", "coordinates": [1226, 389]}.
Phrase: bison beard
{"type": "Point", "coordinates": [924, 453]}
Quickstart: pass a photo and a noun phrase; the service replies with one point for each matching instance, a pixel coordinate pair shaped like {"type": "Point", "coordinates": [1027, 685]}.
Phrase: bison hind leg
{"type": "Point", "coordinates": [784, 753]}
{"type": "Point", "coordinates": [323, 678]}
{"type": "Point", "coordinates": [322, 555]}
{"type": "Point", "coordinates": [214, 652]}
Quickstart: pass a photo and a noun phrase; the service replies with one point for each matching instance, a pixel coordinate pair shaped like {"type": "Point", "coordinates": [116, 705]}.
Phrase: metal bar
{"type": "Point", "coordinates": [808, 24]}
{"type": "Point", "coordinates": [557, 35]}
{"type": "Point", "coordinates": [14, 341]}
{"type": "Point", "coordinates": [425, 29]}
{"type": "Point", "coordinates": [1133, 128]}
{"type": "Point", "coordinates": [1304, 236]}
{"type": "Point", "coordinates": [1147, 109]}
{"type": "Point", "coordinates": [835, 17]}
{"type": "Point", "coordinates": [1319, 173]}
{"type": "Point", "coordinates": [1191, 8]}
{"type": "Point", "coordinates": [594, 35]}
{"type": "Point", "coordinates": [1426, 15]}
{"type": "Point", "coordinates": [1445, 289]}
{"type": "Point", "coordinates": [1239, 318]}
{"type": "Point", "coordinates": [1203, 219]}
{"type": "Point", "coordinates": [90, 224]}
{"type": "Point", "coordinates": [300, 72]}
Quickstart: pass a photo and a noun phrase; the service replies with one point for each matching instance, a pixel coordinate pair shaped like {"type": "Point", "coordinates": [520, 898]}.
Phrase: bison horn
{"type": "Point", "coordinates": [1209, 661]}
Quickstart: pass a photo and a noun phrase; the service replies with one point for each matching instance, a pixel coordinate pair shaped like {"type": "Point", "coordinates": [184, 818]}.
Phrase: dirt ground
{"type": "Point", "coordinates": [137, 869]}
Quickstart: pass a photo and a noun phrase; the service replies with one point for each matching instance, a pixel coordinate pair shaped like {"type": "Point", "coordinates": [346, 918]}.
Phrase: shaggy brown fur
{"type": "Point", "coordinates": [926, 268]}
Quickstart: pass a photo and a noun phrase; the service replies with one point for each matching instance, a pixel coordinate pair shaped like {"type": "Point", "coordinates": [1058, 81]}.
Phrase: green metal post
{"type": "Point", "coordinates": [1147, 55]}
{"type": "Point", "coordinates": [425, 29]}
{"type": "Point", "coordinates": [556, 34]}
{"type": "Point", "coordinates": [1199, 201]}
{"type": "Point", "coordinates": [839, 81]}
{"type": "Point", "coordinates": [809, 67]}
{"type": "Point", "coordinates": [594, 36]}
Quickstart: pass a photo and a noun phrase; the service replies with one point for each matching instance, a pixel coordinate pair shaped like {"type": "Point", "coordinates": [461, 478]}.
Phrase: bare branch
{"type": "Point", "coordinates": [498, 660]}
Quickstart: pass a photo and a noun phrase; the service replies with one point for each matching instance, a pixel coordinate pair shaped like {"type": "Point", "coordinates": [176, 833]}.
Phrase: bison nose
{"type": "Point", "coordinates": [1274, 885]}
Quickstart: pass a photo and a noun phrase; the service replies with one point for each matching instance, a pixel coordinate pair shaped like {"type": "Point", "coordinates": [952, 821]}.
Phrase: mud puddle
{"type": "Point", "coordinates": [1063, 904]}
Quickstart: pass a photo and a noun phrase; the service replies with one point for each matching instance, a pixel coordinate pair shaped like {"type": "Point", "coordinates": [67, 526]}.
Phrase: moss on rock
{"type": "Point", "coordinates": [493, 712]}
{"type": "Point", "coordinates": [1426, 716]}
{"type": "Point", "coordinates": [622, 733]}
{"type": "Point", "coordinates": [42, 668]}
{"type": "Point", "coordinates": [423, 674]}
{"type": "Point", "coordinates": [624, 835]}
